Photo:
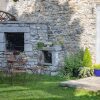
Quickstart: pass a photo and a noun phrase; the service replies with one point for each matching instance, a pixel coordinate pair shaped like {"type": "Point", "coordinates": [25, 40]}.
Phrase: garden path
{"type": "Point", "coordinates": [90, 83]}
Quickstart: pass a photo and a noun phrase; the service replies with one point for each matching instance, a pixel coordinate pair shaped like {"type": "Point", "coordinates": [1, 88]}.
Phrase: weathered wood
{"type": "Point", "coordinates": [4, 16]}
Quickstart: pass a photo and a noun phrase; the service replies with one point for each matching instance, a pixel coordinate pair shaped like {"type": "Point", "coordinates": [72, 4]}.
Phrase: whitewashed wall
{"type": "Point", "coordinates": [98, 35]}
{"type": "Point", "coordinates": [3, 4]}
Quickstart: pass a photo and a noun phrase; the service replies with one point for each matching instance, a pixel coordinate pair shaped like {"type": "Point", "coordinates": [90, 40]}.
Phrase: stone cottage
{"type": "Point", "coordinates": [25, 23]}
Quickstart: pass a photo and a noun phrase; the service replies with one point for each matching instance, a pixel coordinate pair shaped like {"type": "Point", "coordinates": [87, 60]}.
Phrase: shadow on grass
{"type": "Point", "coordinates": [49, 98]}
{"type": "Point", "coordinates": [10, 91]}
{"type": "Point", "coordinates": [41, 87]}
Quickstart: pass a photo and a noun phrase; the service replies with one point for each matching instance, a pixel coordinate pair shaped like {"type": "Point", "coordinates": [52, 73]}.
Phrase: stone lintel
{"type": "Point", "coordinates": [20, 22]}
{"type": "Point", "coordinates": [14, 29]}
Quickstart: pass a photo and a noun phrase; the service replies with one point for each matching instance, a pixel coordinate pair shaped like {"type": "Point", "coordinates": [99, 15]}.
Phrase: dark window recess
{"type": "Point", "coordinates": [14, 41]}
{"type": "Point", "coordinates": [47, 57]}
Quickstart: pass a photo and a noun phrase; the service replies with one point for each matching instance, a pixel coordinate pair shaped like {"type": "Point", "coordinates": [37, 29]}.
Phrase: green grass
{"type": "Point", "coordinates": [40, 87]}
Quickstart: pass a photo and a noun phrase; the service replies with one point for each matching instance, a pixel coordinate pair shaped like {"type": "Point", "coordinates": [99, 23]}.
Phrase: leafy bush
{"type": "Point", "coordinates": [73, 62]}
{"type": "Point", "coordinates": [87, 59]}
{"type": "Point", "coordinates": [85, 72]}
{"type": "Point", "coordinates": [68, 67]}
{"type": "Point", "coordinates": [97, 66]}
{"type": "Point", "coordinates": [78, 58]}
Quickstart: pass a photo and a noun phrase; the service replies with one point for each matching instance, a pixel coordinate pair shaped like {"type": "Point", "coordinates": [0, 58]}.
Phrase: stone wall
{"type": "Point", "coordinates": [33, 33]}
{"type": "Point", "coordinates": [74, 20]}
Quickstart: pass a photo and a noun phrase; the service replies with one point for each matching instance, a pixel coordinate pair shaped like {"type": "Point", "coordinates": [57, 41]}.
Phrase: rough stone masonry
{"type": "Point", "coordinates": [71, 20]}
{"type": "Point", "coordinates": [74, 19]}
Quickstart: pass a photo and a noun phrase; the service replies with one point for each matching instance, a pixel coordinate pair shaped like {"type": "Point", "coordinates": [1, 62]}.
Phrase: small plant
{"type": "Point", "coordinates": [40, 45]}
{"type": "Point", "coordinates": [85, 72]}
{"type": "Point", "coordinates": [97, 66]}
{"type": "Point", "coordinates": [87, 59]}
{"type": "Point", "coordinates": [15, 0]}
{"type": "Point", "coordinates": [73, 62]}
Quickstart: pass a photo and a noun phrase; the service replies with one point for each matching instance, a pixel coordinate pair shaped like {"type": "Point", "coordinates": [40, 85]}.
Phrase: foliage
{"type": "Point", "coordinates": [15, 0]}
{"type": "Point", "coordinates": [96, 66]}
{"type": "Point", "coordinates": [40, 45]}
{"type": "Point", "coordinates": [78, 60]}
{"type": "Point", "coordinates": [87, 59]}
{"type": "Point", "coordinates": [81, 59]}
{"type": "Point", "coordinates": [73, 62]}
{"type": "Point", "coordinates": [69, 64]}
{"type": "Point", "coordinates": [85, 72]}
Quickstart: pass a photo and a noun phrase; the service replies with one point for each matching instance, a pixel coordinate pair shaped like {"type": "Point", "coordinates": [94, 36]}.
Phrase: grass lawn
{"type": "Point", "coordinates": [40, 87]}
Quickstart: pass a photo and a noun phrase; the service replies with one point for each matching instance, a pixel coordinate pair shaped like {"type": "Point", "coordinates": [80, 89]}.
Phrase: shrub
{"type": "Point", "coordinates": [85, 72]}
{"type": "Point", "coordinates": [82, 59]}
{"type": "Point", "coordinates": [78, 58]}
{"type": "Point", "coordinates": [87, 59]}
{"type": "Point", "coordinates": [72, 63]}
{"type": "Point", "coordinates": [97, 66]}
{"type": "Point", "coordinates": [69, 63]}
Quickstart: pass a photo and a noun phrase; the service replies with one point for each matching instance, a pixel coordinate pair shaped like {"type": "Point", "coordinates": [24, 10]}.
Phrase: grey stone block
{"type": "Point", "coordinates": [2, 46]}
{"type": "Point", "coordinates": [28, 47]}
{"type": "Point", "coordinates": [2, 38]}
{"type": "Point", "coordinates": [14, 29]}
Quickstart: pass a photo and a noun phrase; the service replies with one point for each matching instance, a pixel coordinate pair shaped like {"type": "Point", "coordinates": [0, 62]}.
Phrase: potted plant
{"type": "Point", "coordinates": [97, 70]}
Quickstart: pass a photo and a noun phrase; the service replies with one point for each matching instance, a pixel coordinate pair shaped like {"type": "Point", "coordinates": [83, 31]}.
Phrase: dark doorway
{"type": "Point", "coordinates": [14, 41]}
